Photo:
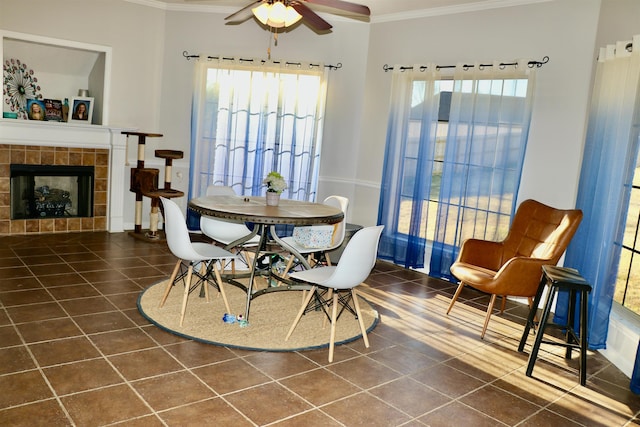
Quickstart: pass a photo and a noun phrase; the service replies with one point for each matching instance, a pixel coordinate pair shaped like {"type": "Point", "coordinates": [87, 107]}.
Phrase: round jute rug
{"type": "Point", "coordinates": [270, 318]}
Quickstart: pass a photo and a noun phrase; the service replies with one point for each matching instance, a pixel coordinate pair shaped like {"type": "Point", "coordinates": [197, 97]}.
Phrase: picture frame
{"type": "Point", "coordinates": [53, 110]}
{"type": "Point", "coordinates": [35, 109]}
{"type": "Point", "coordinates": [76, 108]}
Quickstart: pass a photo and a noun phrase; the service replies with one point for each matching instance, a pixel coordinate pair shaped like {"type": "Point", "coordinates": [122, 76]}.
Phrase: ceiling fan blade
{"type": "Point", "coordinates": [244, 13]}
{"type": "Point", "coordinates": [310, 17]}
{"type": "Point", "coordinates": [343, 5]}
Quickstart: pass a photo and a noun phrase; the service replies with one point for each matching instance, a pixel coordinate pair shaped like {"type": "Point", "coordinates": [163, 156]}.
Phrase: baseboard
{"type": "Point", "coordinates": [622, 339]}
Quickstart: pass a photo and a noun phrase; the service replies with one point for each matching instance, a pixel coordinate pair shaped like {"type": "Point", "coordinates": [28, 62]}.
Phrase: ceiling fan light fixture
{"type": "Point", "coordinates": [291, 16]}
{"type": "Point", "coordinates": [261, 13]}
{"type": "Point", "coordinates": [276, 14]}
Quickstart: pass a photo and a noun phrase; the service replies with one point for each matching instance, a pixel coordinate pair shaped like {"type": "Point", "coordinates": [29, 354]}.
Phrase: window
{"type": "Point", "coordinates": [455, 150]}
{"type": "Point", "coordinates": [411, 159]}
{"type": "Point", "coordinates": [249, 120]}
{"type": "Point", "coordinates": [627, 290]}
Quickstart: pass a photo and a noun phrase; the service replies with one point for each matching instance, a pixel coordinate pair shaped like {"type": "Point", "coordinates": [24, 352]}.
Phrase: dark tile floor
{"type": "Point", "coordinates": [75, 351]}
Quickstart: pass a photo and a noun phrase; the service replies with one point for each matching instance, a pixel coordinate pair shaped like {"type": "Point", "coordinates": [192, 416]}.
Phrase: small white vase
{"type": "Point", "coordinates": [273, 198]}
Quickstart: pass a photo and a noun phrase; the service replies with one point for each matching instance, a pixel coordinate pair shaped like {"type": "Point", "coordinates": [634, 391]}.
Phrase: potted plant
{"type": "Point", "coordinates": [275, 186]}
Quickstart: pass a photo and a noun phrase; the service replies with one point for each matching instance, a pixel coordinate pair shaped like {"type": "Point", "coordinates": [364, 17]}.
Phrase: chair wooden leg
{"type": "Point", "coordinates": [248, 255]}
{"type": "Point", "coordinates": [174, 274]}
{"type": "Point", "coordinates": [187, 286]}
{"type": "Point", "coordinates": [489, 311]}
{"type": "Point", "coordinates": [327, 258]}
{"type": "Point", "coordinates": [288, 267]}
{"type": "Point", "coordinates": [354, 295]}
{"type": "Point", "coordinates": [455, 296]}
{"type": "Point", "coordinates": [219, 280]}
{"type": "Point", "coordinates": [504, 304]}
{"type": "Point", "coordinates": [311, 293]}
{"type": "Point", "coordinates": [334, 315]}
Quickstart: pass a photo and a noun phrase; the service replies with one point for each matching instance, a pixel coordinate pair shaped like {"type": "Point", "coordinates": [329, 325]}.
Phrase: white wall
{"type": "Point", "coordinates": [134, 32]}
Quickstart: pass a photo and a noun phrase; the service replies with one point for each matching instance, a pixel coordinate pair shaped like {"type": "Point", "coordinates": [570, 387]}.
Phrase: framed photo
{"type": "Point", "coordinates": [81, 110]}
{"type": "Point", "coordinates": [53, 110]}
{"type": "Point", "coordinates": [35, 109]}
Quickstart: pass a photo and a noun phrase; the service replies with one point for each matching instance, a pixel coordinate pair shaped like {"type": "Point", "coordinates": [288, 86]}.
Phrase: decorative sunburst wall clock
{"type": "Point", "coordinates": [19, 84]}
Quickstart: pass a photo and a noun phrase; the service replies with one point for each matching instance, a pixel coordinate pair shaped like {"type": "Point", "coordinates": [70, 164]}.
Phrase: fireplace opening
{"type": "Point", "coordinates": [51, 191]}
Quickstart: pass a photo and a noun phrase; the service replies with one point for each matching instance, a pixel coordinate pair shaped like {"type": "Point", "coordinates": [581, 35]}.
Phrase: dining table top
{"type": "Point", "coordinates": [255, 209]}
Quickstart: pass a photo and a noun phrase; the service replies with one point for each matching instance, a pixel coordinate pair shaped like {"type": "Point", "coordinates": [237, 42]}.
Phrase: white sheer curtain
{"type": "Point", "coordinates": [452, 170]}
{"type": "Point", "coordinates": [409, 161]}
{"type": "Point", "coordinates": [251, 117]}
{"type": "Point", "coordinates": [486, 142]}
{"type": "Point", "coordinates": [606, 177]}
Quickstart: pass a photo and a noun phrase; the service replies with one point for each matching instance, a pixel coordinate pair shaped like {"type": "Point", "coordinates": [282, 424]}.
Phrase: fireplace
{"type": "Point", "coordinates": [67, 161]}
{"type": "Point", "coordinates": [51, 191]}
{"type": "Point", "coordinates": [32, 142]}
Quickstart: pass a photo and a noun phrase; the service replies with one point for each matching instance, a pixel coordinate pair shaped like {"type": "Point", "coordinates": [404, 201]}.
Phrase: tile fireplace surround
{"type": "Point", "coordinates": [41, 143]}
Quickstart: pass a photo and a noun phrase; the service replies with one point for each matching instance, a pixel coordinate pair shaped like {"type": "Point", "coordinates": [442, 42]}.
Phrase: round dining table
{"type": "Point", "coordinates": [255, 210]}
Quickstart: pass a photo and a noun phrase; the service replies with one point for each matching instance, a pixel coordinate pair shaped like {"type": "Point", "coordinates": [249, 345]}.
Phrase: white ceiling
{"type": "Point", "coordinates": [380, 9]}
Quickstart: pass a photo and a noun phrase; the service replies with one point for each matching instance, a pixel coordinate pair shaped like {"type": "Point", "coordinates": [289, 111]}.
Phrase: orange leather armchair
{"type": "Point", "coordinates": [538, 236]}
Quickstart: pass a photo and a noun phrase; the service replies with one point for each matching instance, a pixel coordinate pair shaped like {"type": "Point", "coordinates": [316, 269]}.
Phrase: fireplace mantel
{"type": "Point", "coordinates": [70, 135]}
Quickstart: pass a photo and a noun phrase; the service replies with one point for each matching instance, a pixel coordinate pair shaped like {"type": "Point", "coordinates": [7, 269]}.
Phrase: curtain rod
{"type": "Point", "coordinates": [209, 58]}
{"type": "Point", "coordinates": [502, 65]}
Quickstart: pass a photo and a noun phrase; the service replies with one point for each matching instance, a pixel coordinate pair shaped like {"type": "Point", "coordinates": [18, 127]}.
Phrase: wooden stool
{"type": "Point", "coordinates": [555, 279]}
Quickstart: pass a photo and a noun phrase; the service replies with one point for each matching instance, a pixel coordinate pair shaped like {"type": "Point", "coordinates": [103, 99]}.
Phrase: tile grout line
{"type": "Point", "coordinates": [38, 367]}
{"type": "Point", "coordinates": [102, 355]}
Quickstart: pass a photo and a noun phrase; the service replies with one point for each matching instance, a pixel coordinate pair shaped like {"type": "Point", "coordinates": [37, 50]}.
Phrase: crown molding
{"type": "Point", "coordinates": [452, 10]}
{"type": "Point", "coordinates": [183, 7]}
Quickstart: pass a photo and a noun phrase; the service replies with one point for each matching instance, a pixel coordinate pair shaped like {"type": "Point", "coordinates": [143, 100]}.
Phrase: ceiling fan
{"type": "Point", "coordinates": [291, 11]}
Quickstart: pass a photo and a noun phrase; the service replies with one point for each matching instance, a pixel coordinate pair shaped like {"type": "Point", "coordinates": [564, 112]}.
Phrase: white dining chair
{"type": "Point", "coordinates": [356, 263]}
{"type": "Point", "coordinates": [190, 254]}
{"type": "Point", "coordinates": [226, 232]}
{"type": "Point", "coordinates": [289, 242]}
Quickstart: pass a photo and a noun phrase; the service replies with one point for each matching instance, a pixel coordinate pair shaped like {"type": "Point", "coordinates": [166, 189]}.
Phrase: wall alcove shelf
{"type": "Point", "coordinates": [63, 67]}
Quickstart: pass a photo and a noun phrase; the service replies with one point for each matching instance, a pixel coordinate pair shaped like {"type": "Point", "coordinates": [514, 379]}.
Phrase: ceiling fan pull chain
{"type": "Point", "coordinates": [275, 40]}
{"type": "Point", "coordinates": [269, 47]}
